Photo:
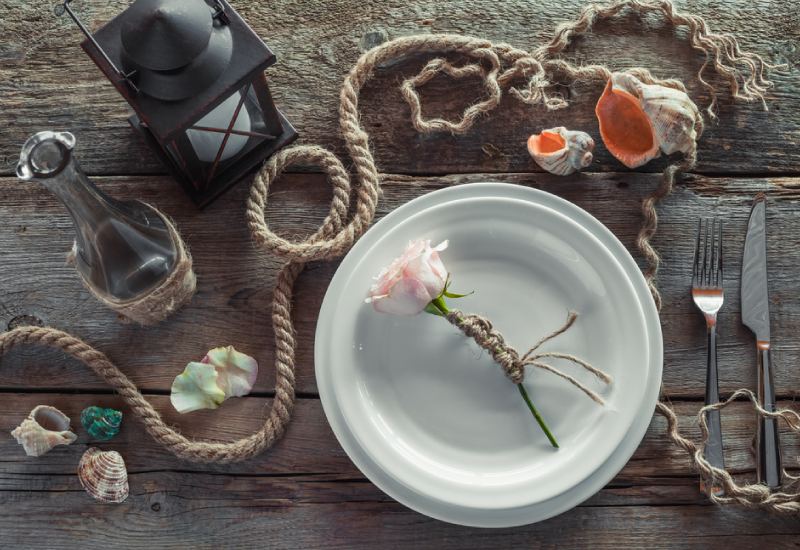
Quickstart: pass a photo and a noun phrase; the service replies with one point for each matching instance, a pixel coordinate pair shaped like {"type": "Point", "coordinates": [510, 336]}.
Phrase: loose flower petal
{"type": "Point", "coordinates": [196, 388]}
{"type": "Point", "coordinates": [237, 371]}
{"type": "Point", "coordinates": [222, 373]}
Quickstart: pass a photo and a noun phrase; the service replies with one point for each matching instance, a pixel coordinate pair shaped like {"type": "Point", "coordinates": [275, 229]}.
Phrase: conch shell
{"type": "Point", "coordinates": [640, 121]}
{"type": "Point", "coordinates": [103, 475]}
{"type": "Point", "coordinates": [561, 151]}
{"type": "Point", "coordinates": [45, 428]}
{"type": "Point", "coordinates": [222, 373]}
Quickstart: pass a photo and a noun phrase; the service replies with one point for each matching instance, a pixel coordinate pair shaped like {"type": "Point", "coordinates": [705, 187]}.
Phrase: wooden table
{"type": "Point", "coordinates": [305, 492]}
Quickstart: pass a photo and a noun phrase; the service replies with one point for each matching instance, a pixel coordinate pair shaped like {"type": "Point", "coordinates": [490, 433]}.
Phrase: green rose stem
{"type": "Point", "coordinates": [441, 306]}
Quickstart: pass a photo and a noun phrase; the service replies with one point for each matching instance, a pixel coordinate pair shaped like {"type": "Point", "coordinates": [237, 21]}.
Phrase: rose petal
{"type": "Point", "coordinates": [418, 268]}
{"type": "Point", "coordinates": [423, 270]}
{"type": "Point", "coordinates": [196, 388]}
{"type": "Point", "coordinates": [408, 297]}
{"type": "Point", "coordinates": [237, 371]}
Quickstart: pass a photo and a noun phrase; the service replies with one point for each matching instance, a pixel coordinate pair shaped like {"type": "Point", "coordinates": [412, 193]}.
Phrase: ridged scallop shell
{"type": "Point", "coordinates": [640, 121]}
{"type": "Point", "coordinates": [45, 428]}
{"type": "Point", "coordinates": [561, 151]}
{"type": "Point", "coordinates": [103, 475]}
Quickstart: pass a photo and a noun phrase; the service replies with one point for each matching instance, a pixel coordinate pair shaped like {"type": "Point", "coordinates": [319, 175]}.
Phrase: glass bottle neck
{"type": "Point", "coordinates": [122, 249]}
{"type": "Point", "coordinates": [86, 204]}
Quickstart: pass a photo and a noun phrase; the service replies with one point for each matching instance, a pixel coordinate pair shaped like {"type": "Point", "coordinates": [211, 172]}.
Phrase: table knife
{"type": "Point", "coordinates": [755, 315]}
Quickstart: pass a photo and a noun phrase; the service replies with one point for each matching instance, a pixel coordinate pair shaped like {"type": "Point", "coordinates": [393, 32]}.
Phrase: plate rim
{"type": "Point", "coordinates": [451, 492]}
{"type": "Point", "coordinates": [609, 469]}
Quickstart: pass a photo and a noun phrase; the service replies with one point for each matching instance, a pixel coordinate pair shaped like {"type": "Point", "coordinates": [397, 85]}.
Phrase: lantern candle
{"type": "Point", "coordinates": [206, 143]}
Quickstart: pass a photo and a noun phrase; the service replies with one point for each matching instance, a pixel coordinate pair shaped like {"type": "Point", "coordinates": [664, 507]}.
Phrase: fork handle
{"type": "Point", "coordinates": [768, 459]}
{"type": "Point", "coordinates": [713, 450]}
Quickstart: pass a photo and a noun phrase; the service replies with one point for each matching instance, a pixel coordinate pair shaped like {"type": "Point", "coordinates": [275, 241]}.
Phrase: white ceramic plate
{"type": "Point", "coordinates": [431, 421]}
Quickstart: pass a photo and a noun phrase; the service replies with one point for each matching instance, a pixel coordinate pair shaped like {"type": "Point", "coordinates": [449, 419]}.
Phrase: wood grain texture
{"type": "Point", "coordinates": [305, 492]}
{"type": "Point", "coordinates": [235, 280]}
{"type": "Point", "coordinates": [47, 82]}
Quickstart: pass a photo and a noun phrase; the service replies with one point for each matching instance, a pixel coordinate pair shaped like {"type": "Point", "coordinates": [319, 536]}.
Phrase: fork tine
{"type": "Point", "coordinates": [706, 259]}
{"type": "Point", "coordinates": [721, 272]}
{"type": "Point", "coordinates": [696, 264]}
{"type": "Point", "coordinates": [712, 279]}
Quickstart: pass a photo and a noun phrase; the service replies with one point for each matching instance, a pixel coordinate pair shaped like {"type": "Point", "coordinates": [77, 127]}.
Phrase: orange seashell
{"type": "Point", "coordinates": [561, 151]}
{"type": "Point", "coordinates": [640, 121]}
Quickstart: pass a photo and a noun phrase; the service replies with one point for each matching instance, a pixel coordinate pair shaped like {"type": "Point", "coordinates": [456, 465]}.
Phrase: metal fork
{"type": "Point", "coordinates": [708, 295]}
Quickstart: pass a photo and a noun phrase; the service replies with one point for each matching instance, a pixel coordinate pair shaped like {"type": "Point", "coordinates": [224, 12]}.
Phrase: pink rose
{"type": "Point", "coordinates": [411, 282]}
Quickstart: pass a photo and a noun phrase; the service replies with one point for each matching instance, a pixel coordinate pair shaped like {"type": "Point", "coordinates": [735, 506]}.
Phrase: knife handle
{"type": "Point", "coordinates": [768, 459]}
{"type": "Point", "coordinates": [713, 449]}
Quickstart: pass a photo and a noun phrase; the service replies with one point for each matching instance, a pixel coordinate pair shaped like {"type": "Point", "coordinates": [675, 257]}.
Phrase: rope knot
{"type": "Point", "coordinates": [480, 329]}
{"type": "Point", "coordinates": [487, 337]}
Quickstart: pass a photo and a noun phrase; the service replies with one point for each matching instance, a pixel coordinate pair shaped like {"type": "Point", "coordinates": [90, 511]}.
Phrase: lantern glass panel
{"type": "Point", "coordinates": [237, 126]}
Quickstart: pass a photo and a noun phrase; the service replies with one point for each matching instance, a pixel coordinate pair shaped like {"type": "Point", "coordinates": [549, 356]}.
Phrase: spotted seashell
{"type": "Point", "coordinates": [101, 423]}
{"type": "Point", "coordinates": [45, 428]}
{"type": "Point", "coordinates": [103, 475]}
{"type": "Point", "coordinates": [640, 121]}
{"type": "Point", "coordinates": [561, 151]}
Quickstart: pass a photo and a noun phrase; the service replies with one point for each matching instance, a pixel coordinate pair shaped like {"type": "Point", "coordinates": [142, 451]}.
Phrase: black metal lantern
{"type": "Point", "coordinates": [193, 71]}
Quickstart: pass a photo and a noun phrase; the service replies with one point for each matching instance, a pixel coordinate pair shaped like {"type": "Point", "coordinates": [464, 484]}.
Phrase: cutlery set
{"type": "Point", "coordinates": [708, 296]}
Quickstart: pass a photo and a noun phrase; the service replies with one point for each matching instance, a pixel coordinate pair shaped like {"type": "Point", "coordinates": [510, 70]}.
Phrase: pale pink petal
{"type": "Point", "coordinates": [237, 371]}
{"type": "Point", "coordinates": [388, 276]}
{"type": "Point", "coordinates": [421, 269]}
{"type": "Point", "coordinates": [407, 297]}
{"type": "Point", "coordinates": [436, 265]}
{"type": "Point", "coordinates": [411, 281]}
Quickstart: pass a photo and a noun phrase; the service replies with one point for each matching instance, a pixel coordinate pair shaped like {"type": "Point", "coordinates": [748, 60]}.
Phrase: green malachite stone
{"type": "Point", "coordinates": [100, 423]}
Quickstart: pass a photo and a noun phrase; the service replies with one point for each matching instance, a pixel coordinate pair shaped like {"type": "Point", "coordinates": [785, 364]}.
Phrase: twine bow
{"type": "Point", "coordinates": [487, 337]}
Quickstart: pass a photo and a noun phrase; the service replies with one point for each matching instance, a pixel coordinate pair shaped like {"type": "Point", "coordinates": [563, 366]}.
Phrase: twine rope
{"type": "Point", "coordinates": [498, 65]}
{"type": "Point", "coordinates": [481, 330]}
{"type": "Point", "coordinates": [160, 302]}
{"type": "Point", "coordinates": [751, 495]}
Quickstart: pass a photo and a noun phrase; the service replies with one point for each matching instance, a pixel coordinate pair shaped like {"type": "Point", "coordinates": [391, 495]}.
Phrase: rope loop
{"type": "Point", "coordinates": [499, 65]}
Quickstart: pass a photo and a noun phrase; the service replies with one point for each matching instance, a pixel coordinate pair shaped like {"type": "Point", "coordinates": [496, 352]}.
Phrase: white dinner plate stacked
{"type": "Point", "coordinates": [430, 419]}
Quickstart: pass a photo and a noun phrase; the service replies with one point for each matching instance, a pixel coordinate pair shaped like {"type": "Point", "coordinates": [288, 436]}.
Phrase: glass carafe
{"type": "Point", "coordinates": [122, 249]}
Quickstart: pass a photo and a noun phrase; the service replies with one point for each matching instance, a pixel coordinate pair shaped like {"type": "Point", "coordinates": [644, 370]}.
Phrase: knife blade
{"type": "Point", "coordinates": [755, 296]}
{"type": "Point", "coordinates": [755, 315]}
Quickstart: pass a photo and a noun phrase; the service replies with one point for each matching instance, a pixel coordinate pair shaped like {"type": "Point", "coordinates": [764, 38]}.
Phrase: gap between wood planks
{"type": "Point", "coordinates": [299, 170]}
{"type": "Point", "coordinates": [683, 398]}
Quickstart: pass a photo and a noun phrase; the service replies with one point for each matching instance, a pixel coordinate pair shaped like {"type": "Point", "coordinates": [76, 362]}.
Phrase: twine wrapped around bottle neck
{"type": "Point", "coordinates": [160, 302]}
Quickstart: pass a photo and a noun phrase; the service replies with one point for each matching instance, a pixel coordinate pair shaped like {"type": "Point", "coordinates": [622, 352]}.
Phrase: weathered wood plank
{"type": "Point", "coordinates": [47, 82]}
{"type": "Point", "coordinates": [235, 281]}
{"type": "Point", "coordinates": [306, 493]}
{"type": "Point", "coordinates": [245, 514]}
{"type": "Point", "coordinates": [310, 447]}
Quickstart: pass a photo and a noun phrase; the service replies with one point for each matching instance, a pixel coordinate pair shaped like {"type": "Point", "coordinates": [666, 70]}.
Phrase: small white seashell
{"type": "Point", "coordinates": [640, 121]}
{"type": "Point", "coordinates": [561, 151]}
{"type": "Point", "coordinates": [45, 428]}
{"type": "Point", "coordinates": [103, 475]}
{"type": "Point", "coordinates": [222, 373]}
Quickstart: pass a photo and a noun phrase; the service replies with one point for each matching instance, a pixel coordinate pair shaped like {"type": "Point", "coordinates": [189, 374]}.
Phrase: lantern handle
{"type": "Point", "coordinates": [219, 12]}
{"type": "Point", "coordinates": [63, 8]}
